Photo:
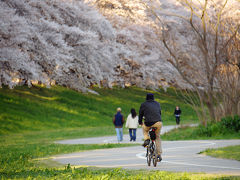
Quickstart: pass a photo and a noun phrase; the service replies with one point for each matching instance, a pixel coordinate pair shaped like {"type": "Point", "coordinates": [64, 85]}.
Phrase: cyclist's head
{"type": "Point", "coordinates": [150, 96]}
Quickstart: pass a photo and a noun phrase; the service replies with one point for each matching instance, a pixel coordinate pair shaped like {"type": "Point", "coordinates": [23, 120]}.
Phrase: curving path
{"type": "Point", "coordinates": [177, 156]}
{"type": "Point", "coordinates": [113, 139]}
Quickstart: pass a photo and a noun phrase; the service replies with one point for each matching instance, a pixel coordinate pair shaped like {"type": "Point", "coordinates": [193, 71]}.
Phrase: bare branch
{"type": "Point", "coordinates": [230, 39]}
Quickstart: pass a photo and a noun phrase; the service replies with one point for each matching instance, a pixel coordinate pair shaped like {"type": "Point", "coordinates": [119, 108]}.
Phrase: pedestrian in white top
{"type": "Point", "coordinates": [132, 124]}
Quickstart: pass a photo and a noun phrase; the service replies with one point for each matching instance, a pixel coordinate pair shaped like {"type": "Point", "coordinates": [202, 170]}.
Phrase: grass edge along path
{"type": "Point", "coordinates": [229, 152]}
{"type": "Point", "coordinates": [92, 173]}
{"type": "Point", "coordinates": [199, 133]}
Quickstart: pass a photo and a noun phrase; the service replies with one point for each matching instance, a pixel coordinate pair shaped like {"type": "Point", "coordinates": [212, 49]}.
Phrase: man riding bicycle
{"type": "Point", "coordinates": [151, 111]}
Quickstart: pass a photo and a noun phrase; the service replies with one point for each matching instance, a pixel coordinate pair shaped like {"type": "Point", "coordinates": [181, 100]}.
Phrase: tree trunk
{"type": "Point", "coordinates": [210, 105]}
{"type": "Point", "coordinates": [235, 108]}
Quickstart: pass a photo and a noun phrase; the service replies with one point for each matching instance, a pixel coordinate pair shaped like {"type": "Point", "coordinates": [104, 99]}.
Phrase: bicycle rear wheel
{"type": "Point", "coordinates": [155, 160]}
{"type": "Point", "coordinates": [149, 156]}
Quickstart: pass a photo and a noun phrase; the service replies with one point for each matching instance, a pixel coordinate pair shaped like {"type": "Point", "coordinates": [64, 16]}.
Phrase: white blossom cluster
{"type": "Point", "coordinates": [79, 43]}
{"type": "Point", "coordinates": [54, 42]}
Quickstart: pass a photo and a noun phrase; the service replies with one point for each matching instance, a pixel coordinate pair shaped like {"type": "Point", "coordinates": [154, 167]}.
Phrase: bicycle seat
{"type": "Point", "coordinates": [152, 133]}
{"type": "Point", "coordinates": [153, 129]}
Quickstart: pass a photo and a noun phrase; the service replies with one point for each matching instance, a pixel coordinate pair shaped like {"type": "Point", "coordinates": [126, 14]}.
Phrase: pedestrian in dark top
{"type": "Point", "coordinates": [118, 121]}
{"type": "Point", "coordinates": [177, 114]}
{"type": "Point", "coordinates": [151, 111]}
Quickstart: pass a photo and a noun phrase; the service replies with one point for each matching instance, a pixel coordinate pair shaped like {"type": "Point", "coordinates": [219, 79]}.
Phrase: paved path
{"type": "Point", "coordinates": [112, 139]}
{"type": "Point", "coordinates": [177, 156]}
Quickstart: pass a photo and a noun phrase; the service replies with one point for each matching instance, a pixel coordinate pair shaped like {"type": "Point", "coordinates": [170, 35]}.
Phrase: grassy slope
{"type": "Point", "coordinates": [24, 109]}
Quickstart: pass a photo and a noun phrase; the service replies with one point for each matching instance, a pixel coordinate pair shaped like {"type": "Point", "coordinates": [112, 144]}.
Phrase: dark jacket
{"type": "Point", "coordinates": [118, 120]}
{"type": "Point", "coordinates": [177, 112]}
{"type": "Point", "coordinates": [151, 111]}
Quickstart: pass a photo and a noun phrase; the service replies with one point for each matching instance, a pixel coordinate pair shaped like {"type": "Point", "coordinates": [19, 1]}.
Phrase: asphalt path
{"type": "Point", "coordinates": [113, 139]}
{"type": "Point", "coordinates": [178, 156]}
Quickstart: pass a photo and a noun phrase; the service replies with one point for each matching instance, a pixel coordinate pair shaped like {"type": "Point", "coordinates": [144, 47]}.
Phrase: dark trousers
{"type": "Point", "coordinates": [132, 133]}
{"type": "Point", "coordinates": [177, 120]}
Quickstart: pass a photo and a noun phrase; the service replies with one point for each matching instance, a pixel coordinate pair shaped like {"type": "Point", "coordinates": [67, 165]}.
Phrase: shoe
{"type": "Point", "coordinates": [159, 157]}
{"type": "Point", "coordinates": [146, 142]}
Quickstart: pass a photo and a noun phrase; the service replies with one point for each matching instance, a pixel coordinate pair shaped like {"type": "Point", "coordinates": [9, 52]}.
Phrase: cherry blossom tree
{"type": "Point", "coordinates": [211, 29]}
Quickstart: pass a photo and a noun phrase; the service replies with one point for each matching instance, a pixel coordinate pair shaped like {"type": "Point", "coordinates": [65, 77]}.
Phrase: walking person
{"type": "Point", "coordinates": [118, 121]}
{"type": "Point", "coordinates": [132, 124]}
{"type": "Point", "coordinates": [151, 111]}
{"type": "Point", "coordinates": [177, 114]}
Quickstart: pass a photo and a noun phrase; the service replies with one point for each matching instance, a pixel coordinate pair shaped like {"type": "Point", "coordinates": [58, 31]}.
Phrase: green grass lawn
{"type": "Point", "coordinates": [117, 174]}
{"type": "Point", "coordinates": [21, 157]}
{"type": "Point", "coordinates": [18, 151]}
{"type": "Point", "coordinates": [230, 152]}
{"type": "Point", "coordinates": [26, 109]}
{"type": "Point", "coordinates": [31, 119]}
{"type": "Point", "coordinates": [199, 133]}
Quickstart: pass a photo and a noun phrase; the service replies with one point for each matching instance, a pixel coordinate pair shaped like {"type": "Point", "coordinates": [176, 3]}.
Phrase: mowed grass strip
{"type": "Point", "coordinates": [108, 174]}
{"type": "Point", "coordinates": [199, 133]}
{"type": "Point", "coordinates": [230, 152]}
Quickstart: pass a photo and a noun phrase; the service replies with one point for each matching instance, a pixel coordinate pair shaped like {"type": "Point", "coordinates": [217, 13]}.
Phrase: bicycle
{"type": "Point", "coordinates": [151, 148]}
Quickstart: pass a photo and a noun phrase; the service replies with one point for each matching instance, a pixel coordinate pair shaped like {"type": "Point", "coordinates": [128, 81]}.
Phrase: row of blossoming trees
{"type": "Point", "coordinates": [212, 65]}
{"type": "Point", "coordinates": [70, 43]}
